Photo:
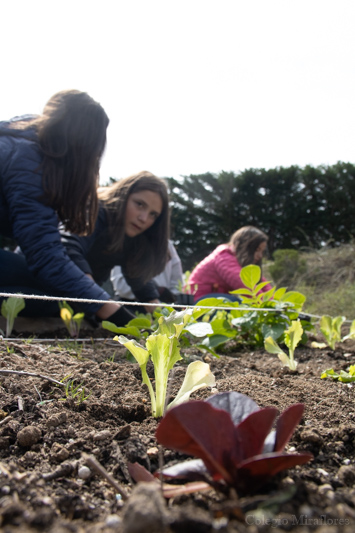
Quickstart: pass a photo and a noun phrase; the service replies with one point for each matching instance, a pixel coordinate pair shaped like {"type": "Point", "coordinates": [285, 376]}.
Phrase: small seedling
{"type": "Point", "coordinates": [76, 392]}
{"type": "Point", "coordinates": [132, 328]}
{"type": "Point", "coordinates": [10, 308]}
{"type": "Point", "coordinates": [331, 329]}
{"type": "Point", "coordinates": [293, 336]}
{"type": "Point", "coordinates": [351, 334]}
{"type": "Point", "coordinates": [162, 347]}
{"type": "Point", "coordinates": [345, 377]}
{"type": "Point", "coordinates": [71, 321]}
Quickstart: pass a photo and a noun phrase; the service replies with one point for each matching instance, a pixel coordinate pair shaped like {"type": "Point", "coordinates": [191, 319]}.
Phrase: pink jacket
{"type": "Point", "coordinates": [218, 272]}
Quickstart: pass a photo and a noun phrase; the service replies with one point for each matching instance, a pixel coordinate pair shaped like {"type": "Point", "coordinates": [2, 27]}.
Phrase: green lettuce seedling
{"type": "Point", "coordinates": [345, 377]}
{"type": "Point", "coordinates": [162, 347]}
{"type": "Point", "coordinates": [331, 329]}
{"type": "Point", "coordinates": [198, 375]}
{"type": "Point", "coordinates": [293, 335]}
{"type": "Point", "coordinates": [351, 334]}
{"type": "Point", "coordinates": [10, 308]}
{"type": "Point", "coordinates": [71, 321]}
{"type": "Point", "coordinates": [133, 327]}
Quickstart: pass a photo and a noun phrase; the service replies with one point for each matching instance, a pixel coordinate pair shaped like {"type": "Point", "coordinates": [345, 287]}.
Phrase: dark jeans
{"type": "Point", "coordinates": [16, 278]}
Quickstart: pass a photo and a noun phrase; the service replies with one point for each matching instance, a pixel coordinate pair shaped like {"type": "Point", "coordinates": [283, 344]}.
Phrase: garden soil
{"type": "Point", "coordinates": [47, 433]}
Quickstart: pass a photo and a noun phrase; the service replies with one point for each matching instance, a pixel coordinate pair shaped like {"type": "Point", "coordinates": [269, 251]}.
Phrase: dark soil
{"type": "Point", "coordinates": [44, 434]}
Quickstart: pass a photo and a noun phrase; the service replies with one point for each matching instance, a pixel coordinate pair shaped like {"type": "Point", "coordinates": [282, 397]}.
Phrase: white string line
{"type": "Point", "coordinates": [182, 306]}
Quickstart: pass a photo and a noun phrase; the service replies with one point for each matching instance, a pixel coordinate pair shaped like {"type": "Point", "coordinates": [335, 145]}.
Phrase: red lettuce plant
{"type": "Point", "coordinates": [233, 439]}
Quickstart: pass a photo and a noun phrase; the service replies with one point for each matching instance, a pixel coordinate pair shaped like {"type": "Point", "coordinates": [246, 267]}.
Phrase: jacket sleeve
{"type": "Point", "coordinates": [35, 228]}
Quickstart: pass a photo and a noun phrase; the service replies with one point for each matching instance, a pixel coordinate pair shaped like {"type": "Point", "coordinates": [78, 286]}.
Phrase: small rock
{"type": "Point", "coordinates": [123, 433]}
{"type": "Point", "coordinates": [4, 443]}
{"type": "Point", "coordinates": [145, 510]}
{"type": "Point", "coordinates": [28, 436]}
{"type": "Point", "coordinates": [153, 452]}
{"type": "Point", "coordinates": [84, 472]}
{"type": "Point", "coordinates": [346, 475]}
{"type": "Point", "coordinates": [322, 472]}
{"type": "Point", "coordinates": [102, 435]}
{"type": "Point", "coordinates": [59, 453]}
{"type": "Point", "coordinates": [57, 419]}
{"type": "Point", "coordinates": [309, 435]}
{"type": "Point", "coordinates": [323, 489]}
{"type": "Point", "coordinates": [113, 521]}
{"type": "Point", "coordinates": [5, 489]}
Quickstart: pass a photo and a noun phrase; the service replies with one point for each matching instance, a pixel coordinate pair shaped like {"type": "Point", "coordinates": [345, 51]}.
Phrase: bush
{"type": "Point", "coordinates": [287, 264]}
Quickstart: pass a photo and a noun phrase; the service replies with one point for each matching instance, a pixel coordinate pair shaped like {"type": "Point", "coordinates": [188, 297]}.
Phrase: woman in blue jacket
{"type": "Point", "coordinates": [49, 170]}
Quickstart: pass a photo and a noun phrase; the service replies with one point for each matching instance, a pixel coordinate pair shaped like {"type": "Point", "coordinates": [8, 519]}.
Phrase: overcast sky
{"type": "Point", "coordinates": [192, 86]}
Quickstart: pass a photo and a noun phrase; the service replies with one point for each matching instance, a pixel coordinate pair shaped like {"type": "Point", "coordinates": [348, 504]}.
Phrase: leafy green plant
{"type": "Point", "coordinates": [252, 326]}
{"type": "Point", "coordinates": [351, 334]}
{"type": "Point", "coordinates": [331, 329]}
{"type": "Point", "coordinates": [71, 321]}
{"type": "Point", "coordinates": [10, 308]}
{"type": "Point", "coordinates": [162, 347]}
{"type": "Point", "coordinates": [345, 377]}
{"type": "Point", "coordinates": [133, 328]}
{"type": "Point", "coordinates": [293, 336]}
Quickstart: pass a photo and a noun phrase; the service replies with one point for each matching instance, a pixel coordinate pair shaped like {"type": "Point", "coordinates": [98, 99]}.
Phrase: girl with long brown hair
{"type": "Point", "coordinates": [219, 272]}
{"type": "Point", "coordinates": [49, 172]}
{"type": "Point", "coordinates": [131, 231]}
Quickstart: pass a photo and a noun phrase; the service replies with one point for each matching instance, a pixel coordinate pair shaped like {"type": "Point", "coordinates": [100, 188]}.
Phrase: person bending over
{"type": "Point", "coordinates": [219, 272]}
{"type": "Point", "coordinates": [49, 171]}
{"type": "Point", "coordinates": [131, 231]}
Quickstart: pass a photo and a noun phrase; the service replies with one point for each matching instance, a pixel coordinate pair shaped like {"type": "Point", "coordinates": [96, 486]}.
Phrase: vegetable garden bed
{"type": "Point", "coordinates": [45, 484]}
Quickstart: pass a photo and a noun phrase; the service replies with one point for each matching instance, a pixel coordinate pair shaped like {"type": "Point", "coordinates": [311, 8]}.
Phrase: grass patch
{"type": "Point", "coordinates": [327, 279]}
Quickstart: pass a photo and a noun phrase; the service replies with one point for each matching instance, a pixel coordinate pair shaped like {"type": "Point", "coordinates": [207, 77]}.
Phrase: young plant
{"type": "Point", "coordinates": [351, 334]}
{"type": "Point", "coordinates": [10, 308]}
{"type": "Point", "coordinates": [253, 326]}
{"type": "Point", "coordinates": [132, 328]}
{"type": "Point", "coordinates": [331, 329]}
{"type": "Point", "coordinates": [345, 377]}
{"type": "Point", "coordinates": [233, 440]}
{"type": "Point", "coordinates": [71, 321]}
{"type": "Point", "coordinates": [162, 347]}
{"type": "Point", "coordinates": [293, 336]}
{"type": "Point", "coordinates": [76, 392]}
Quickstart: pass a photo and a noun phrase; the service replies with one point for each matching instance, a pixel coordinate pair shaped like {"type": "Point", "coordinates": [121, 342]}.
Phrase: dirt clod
{"type": "Point", "coordinates": [146, 510]}
{"type": "Point", "coordinates": [28, 436]}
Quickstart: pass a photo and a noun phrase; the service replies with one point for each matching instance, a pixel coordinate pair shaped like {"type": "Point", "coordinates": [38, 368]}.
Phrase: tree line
{"type": "Point", "coordinates": [296, 207]}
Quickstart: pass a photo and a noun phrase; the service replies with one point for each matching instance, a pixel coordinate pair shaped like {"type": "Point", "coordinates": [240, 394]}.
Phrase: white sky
{"type": "Point", "coordinates": [192, 86]}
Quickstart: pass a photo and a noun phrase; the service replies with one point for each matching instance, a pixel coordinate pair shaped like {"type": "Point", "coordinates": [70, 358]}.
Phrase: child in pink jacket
{"type": "Point", "coordinates": [219, 272]}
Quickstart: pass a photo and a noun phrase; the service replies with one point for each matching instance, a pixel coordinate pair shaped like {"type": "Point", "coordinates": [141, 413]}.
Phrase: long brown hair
{"type": "Point", "coordinates": [72, 136]}
{"type": "Point", "coordinates": [149, 254]}
{"type": "Point", "coordinates": [244, 243]}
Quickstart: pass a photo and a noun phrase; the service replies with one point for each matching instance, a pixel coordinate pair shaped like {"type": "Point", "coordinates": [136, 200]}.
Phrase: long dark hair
{"type": "Point", "coordinates": [244, 243]}
{"type": "Point", "coordinates": [149, 253]}
{"type": "Point", "coordinates": [72, 136]}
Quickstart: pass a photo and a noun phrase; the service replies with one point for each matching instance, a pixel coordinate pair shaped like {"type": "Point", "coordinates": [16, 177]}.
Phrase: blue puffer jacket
{"type": "Point", "coordinates": [34, 225]}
